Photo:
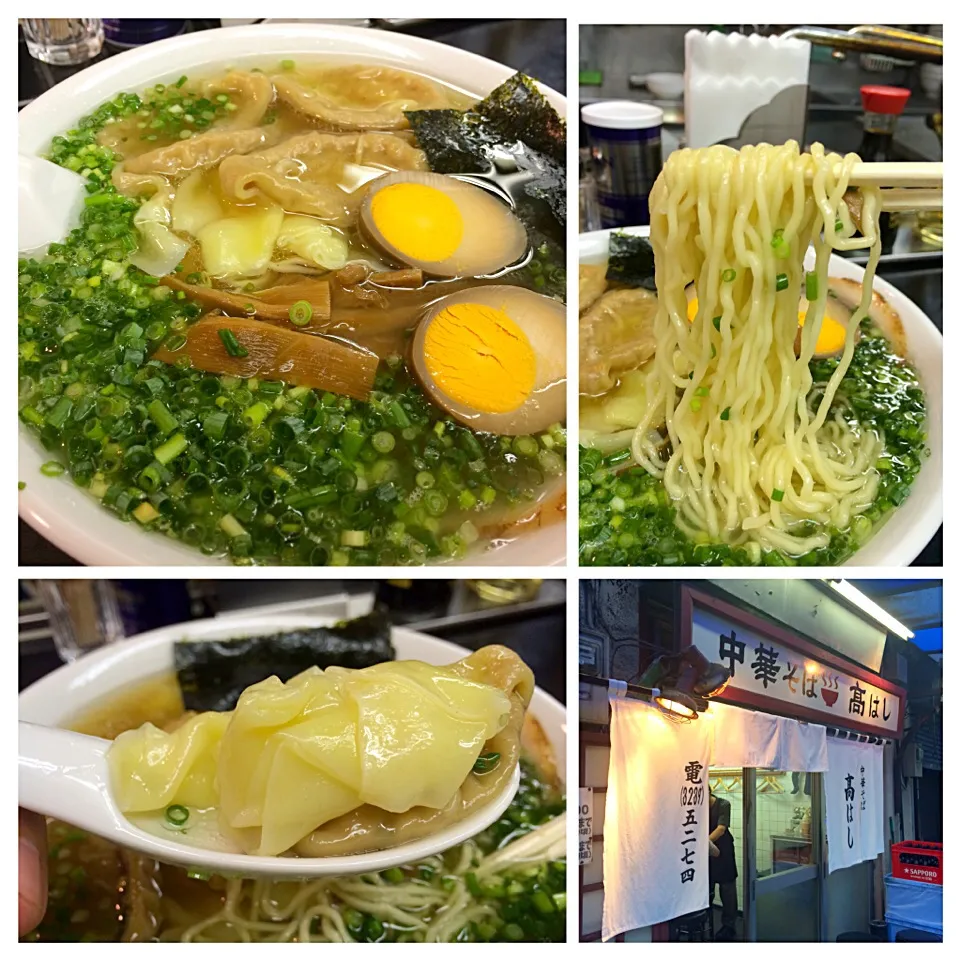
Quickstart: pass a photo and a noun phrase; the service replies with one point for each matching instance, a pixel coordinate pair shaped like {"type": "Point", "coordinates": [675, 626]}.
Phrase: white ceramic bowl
{"type": "Point", "coordinates": [54, 506]}
{"type": "Point", "coordinates": [665, 86]}
{"type": "Point", "coordinates": [908, 529]}
{"type": "Point", "coordinates": [76, 687]}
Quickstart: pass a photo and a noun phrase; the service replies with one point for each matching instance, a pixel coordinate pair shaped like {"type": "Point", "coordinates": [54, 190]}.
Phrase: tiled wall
{"type": "Point", "coordinates": [777, 808]}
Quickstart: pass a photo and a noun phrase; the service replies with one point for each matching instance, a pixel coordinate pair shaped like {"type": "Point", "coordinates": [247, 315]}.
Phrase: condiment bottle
{"type": "Point", "coordinates": [881, 107]}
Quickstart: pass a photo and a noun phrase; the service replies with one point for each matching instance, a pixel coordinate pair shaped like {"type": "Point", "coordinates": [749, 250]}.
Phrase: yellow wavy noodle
{"type": "Point", "coordinates": [714, 215]}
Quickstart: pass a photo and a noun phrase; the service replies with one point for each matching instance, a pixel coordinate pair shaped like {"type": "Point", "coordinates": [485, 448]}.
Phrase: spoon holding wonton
{"type": "Point", "coordinates": [65, 775]}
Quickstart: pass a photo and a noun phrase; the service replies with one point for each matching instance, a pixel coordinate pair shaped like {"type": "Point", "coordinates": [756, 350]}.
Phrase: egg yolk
{"type": "Point", "coordinates": [832, 334]}
{"type": "Point", "coordinates": [423, 223]}
{"type": "Point", "coordinates": [480, 358]}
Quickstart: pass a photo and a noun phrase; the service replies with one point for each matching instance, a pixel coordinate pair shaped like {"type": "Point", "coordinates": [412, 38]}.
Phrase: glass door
{"type": "Point", "coordinates": [783, 861]}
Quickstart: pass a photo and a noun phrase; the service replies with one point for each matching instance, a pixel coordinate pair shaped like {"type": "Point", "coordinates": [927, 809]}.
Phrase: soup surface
{"type": "Point", "coordinates": [478, 891]}
{"type": "Point", "coordinates": [222, 352]}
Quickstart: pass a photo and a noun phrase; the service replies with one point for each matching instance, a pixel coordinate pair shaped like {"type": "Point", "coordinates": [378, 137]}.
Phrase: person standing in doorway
{"type": "Point", "coordinates": [723, 866]}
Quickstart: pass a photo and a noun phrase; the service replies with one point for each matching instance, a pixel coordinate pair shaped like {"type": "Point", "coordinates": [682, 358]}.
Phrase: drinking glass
{"type": "Point", "coordinates": [63, 42]}
{"type": "Point", "coordinates": [84, 615]}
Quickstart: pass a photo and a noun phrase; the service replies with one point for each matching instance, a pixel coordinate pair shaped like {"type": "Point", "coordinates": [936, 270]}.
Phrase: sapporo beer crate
{"type": "Point", "coordinates": [918, 860]}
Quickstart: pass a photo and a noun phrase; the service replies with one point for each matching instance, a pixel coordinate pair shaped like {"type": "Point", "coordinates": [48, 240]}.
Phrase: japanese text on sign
{"type": "Point", "coordinates": [586, 825]}
{"type": "Point", "coordinates": [691, 797]}
{"type": "Point", "coordinates": [786, 677]}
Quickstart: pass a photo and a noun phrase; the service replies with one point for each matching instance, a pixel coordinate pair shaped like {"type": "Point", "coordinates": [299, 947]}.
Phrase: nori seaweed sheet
{"type": "Point", "coordinates": [514, 119]}
{"type": "Point", "coordinates": [630, 261]}
{"type": "Point", "coordinates": [213, 673]}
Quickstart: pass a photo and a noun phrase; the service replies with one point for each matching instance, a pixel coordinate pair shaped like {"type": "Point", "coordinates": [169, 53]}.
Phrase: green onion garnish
{"type": "Point", "coordinates": [725, 415]}
{"type": "Point", "coordinates": [812, 286]}
{"type": "Point", "coordinates": [695, 406]}
{"type": "Point", "coordinates": [777, 495]}
{"type": "Point", "coordinates": [230, 343]}
{"type": "Point", "coordinates": [783, 281]}
{"type": "Point", "coordinates": [301, 313]}
{"type": "Point", "coordinates": [486, 762]}
{"type": "Point", "coordinates": [287, 64]}
{"type": "Point", "coordinates": [177, 814]}
{"type": "Point", "coordinates": [716, 323]}
{"type": "Point", "coordinates": [729, 275]}
{"type": "Point", "coordinates": [781, 248]}
{"type": "Point", "coordinates": [702, 392]}
{"type": "Point", "coordinates": [198, 875]}
{"type": "Point", "coordinates": [838, 226]}
{"type": "Point", "coordinates": [52, 468]}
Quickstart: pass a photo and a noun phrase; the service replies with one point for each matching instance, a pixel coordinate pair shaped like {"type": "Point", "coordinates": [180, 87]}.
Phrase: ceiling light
{"type": "Point", "coordinates": [848, 590]}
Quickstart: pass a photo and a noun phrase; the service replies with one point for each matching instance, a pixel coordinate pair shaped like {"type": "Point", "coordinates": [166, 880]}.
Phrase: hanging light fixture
{"type": "Point", "coordinates": [684, 682]}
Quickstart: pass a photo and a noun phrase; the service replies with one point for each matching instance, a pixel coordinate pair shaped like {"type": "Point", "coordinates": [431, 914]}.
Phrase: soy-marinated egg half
{"type": "Point", "coordinates": [444, 226]}
{"type": "Point", "coordinates": [833, 329]}
{"type": "Point", "coordinates": [494, 357]}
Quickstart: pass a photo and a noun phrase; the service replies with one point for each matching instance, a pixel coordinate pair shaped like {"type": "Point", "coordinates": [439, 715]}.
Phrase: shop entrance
{"type": "Point", "coordinates": [775, 823]}
{"type": "Point", "coordinates": [784, 817]}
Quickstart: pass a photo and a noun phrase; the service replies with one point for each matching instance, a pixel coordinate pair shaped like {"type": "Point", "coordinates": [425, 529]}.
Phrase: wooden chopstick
{"type": "Point", "coordinates": [897, 175]}
{"type": "Point", "coordinates": [911, 199]}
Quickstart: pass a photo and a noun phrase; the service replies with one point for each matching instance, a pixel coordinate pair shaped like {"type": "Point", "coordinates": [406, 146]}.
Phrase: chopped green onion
{"type": "Point", "coordinates": [812, 286]}
{"type": "Point", "coordinates": [171, 449]}
{"type": "Point", "coordinates": [230, 343]}
{"type": "Point", "coordinates": [52, 468]}
{"type": "Point", "coordinates": [146, 513]}
{"type": "Point", "coordinates": [729, 275]}
{"type": "Point", "coordinates": [287, 64]}
{"type": "Point", "coordinates": [383, 441]}
{"type": "Point", "coordinates": [161, 416]}
{"type": "Point", "coordinates": [393, 875]}
{"type": "Point", "coordinates": [725, 415]}
{"type": "Point", "coordinates": [777, 495]}
{"type": "Point", "coordinates": [702, 392]}
{"type": "Point", "coordinates": [214, 424]}
{"type": "Point", "coordinates": [301, 313]}
{"type": "Point", "coordinates": [177, 814]}
{"type": "Point", "coordinates": [716, 323]}
{"type": "Point", "coordinates": [781, 248]}
{"type": "Point", "coordinates": [695, 406]}
{"type": "Point", "coordinates": [783, 281]}
{"type": "Point", "coordinates": [486, 762]}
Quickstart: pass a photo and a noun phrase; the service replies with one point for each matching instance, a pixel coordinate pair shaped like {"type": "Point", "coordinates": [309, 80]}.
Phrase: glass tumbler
{"type": "Point", "coordinates": [63, 42]}
{"type": "Point", "coordinates": [84, 615]}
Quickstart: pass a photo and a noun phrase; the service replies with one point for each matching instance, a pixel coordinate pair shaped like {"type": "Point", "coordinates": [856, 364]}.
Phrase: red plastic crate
{"type": "Point", "coordinates": [918, 860]}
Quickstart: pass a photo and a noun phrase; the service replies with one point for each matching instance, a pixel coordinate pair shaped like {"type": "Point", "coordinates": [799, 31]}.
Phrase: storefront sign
{"type": "Point", "coordinates": [853, 786]}
{"type": "Point", "coordinates": [655, 849]}
{"type": "Point", "coordinates": [586, 825]}
{"type": "Point", "coordinates": [771, 669]}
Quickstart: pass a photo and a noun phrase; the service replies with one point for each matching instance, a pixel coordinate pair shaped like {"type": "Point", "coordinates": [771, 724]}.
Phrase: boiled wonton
{"type": "Point", "coordinates": [357, 754]}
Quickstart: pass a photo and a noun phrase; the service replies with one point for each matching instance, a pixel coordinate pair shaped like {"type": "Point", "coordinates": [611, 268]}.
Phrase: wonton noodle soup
{"type": "Point", "coordinates": [223, 351]}
{"type": "Point", "coordinates": [744, 415]}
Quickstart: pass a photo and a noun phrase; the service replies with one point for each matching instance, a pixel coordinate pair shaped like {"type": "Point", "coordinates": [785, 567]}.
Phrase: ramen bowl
{"type": "Point", "coordinates": [906, 530]}
{"type": "Point", "coordinates": [54, 506]}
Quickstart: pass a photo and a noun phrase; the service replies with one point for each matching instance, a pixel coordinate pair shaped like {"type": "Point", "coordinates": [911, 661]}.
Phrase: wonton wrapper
{"type": "Point", "coordinates": [360, 96]}
{"type": "Point", "coordinates": [254, 91]}
{"type": "Point", "coordinates": [303, 174]}
{"type": "Point", "coordinates": [372, 757]}
{"type": "Point", "coordinates": [203, 150]}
